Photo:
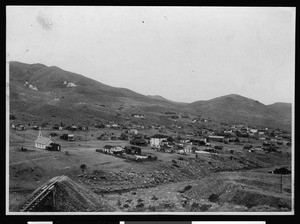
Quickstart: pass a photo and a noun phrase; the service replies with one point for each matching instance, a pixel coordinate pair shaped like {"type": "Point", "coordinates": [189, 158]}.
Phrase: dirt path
{"type": "Point", "coordinates": [29, 160]}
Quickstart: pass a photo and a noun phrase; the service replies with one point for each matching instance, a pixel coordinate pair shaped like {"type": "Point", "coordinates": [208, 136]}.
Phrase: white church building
{"type": "Point", "coordinates": [42, 142]}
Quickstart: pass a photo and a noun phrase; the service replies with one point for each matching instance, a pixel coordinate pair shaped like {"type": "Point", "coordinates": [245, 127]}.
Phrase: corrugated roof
{"type": "Point", "coordinates": [43, 140]}
{"type": "Point", "coordinates": [215, 136]}
{"type": "Point", "coordinates": [117, 149]}
{"type": "Point", "coordinates": [107, 146]}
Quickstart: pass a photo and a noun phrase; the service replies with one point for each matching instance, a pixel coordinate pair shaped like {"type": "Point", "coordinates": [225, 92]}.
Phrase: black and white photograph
{"type": "Point", "coordinates": [150, 110]}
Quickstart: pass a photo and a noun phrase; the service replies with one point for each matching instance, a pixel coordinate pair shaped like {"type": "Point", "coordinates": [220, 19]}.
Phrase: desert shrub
{"type": "Point", "coordinates": [194, 207]}
{"type": "Point", "coordinates": [126, 206]}
{"type": "Point", "coordinates": [152, 208]}
{"type": "Point", "coordinates": [154, 198]}
{"type": "Point", "coordinates": [12, 117]}
{"type": "Point", "coordinates": [140, 205]}
{"type": "Point", "coordinates": [83, 167]}
{"type": "Point", "coordinates": [288, 190]}
{"type": "Point", "coordinates": [187, 188]}
{"type": "Point", "coordinates": [213, 198]}
{"type": "Point", "coordinates": [204, 208]}
{"type": "Point", "coordinates": [168, 205]}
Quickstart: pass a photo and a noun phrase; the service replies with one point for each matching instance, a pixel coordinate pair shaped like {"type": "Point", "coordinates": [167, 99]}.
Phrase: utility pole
{"type": "Point", "coordinates": [281, 183]}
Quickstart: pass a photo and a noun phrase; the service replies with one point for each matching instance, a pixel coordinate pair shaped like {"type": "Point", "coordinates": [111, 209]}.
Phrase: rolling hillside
{"type": "Point", "coordinates": [235, 108]}
{"type": "Point", "coordinates": [39, 93]}
{"type": "Point", "coordinates": [83, 101]}
{"type": "Point", "coordinates": [282, 108]}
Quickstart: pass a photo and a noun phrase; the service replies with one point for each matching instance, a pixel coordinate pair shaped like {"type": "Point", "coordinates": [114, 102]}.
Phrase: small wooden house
{"type": "Point", "coordinates": [53, 147]}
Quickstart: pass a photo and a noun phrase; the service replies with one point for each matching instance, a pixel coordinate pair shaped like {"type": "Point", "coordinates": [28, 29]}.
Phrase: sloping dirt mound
{"type": "Point", "coordinates": [228, 189]}
{"type": "Point", "coordinates": [252, 199]}
{"type": "Point", "coordinates": [69, 196]}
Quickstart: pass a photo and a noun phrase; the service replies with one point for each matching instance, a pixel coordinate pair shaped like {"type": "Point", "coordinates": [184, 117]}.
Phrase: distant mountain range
{"type": "Point", "coordinates": [49, 94]}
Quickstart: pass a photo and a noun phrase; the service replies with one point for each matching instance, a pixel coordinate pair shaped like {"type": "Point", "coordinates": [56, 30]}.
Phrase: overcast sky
{"type": "Point", "coordinates": [181, 53]}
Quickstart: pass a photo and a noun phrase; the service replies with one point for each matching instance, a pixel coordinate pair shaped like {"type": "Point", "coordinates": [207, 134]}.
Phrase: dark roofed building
{"type": "Point", "coordinates": [139, 142]}
{"type": "Point", "coordinates": [282, 170]}
{"type": "Point", "coordinates": [53, 147]}
{"type": "Point", "coordinates": [107, 146]}
{"type": "Point", "coordinates": [133, 150]}
{"type": "Point", "coordinates": [159, 136]}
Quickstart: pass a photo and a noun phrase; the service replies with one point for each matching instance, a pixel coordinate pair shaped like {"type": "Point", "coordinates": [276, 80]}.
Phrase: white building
{"type": "Point", "coordinates": [42, 142]}
{"type": "Point", "coordinates": [216, 138]}
{"type": "Point", "coordinates": [156, 140]}
{"type": "Point", "coordinates": [253, 131]}
{"type": "Point", "coordinates": [138, 115]}
{"type": "Point", "coordinates": [133, 131]}
{"type": "Point", "coordinates": [71, 84]}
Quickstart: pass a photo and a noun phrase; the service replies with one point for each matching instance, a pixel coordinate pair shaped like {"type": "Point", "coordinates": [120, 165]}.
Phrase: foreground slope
{"type": "Point", "coordinates": [69, 196]}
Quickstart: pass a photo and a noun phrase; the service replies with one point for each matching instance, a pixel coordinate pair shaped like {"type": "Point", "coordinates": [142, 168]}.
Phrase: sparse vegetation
{"type": "Point", "coordinates": [213, 198]}
{"type": "Point", "coordinates": [222, 175]}
{"type": "Point", "coordinates": [12, 117]}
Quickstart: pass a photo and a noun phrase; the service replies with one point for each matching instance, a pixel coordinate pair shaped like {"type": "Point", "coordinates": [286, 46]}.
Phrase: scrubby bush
{"type": "Point", "coordinates": [82, 167]}
{"type": "Point", "coordinates": [194, 207]}
{"type": "Point", "coordinates": [12, 117]}
{"type": "Point", "coordinates": [154, 198]}
{"type": "Point", "coordinates": [205, 207]}
{"type": "Point", "coordinates": [152, 208]}
{"type": "Point", "coordinates": [213, 198]}
{"type": "Point", "coordinates": [140, 205]}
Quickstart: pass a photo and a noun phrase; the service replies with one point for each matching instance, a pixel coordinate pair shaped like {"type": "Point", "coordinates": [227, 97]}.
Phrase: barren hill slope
{"type": "Point", "coordinates": [70, 96]}
{"type": "Point", "coordinates": [284, 109]}
{"type": "Point", "coordinates": [62, 96]}
{"type": "Point", "coordinates": [235, 108]}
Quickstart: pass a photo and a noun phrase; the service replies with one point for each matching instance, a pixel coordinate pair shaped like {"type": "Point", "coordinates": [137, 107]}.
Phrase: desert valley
{"type": "Point", "coordinates": [77, 145]}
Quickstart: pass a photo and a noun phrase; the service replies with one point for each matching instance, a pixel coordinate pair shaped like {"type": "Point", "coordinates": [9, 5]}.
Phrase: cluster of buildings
{"type": "Point", "coordinates": [69, 84]}
{"type": "Point", "coordinates": [251, 132]}
{"type": "Point", "coordinates": [202, 136]}
{"type": "Point", "coordinates": [128, 152]}
{"type": "Point", "coordinates": [30, 86]}
{"type": "Point", "coordinates": [19, 127]}
{"type": "Point", "coordinates": [142, 116]}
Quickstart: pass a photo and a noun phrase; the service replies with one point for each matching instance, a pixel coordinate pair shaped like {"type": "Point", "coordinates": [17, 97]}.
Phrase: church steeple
{"type": "Point", "coordinates": [40, 133]}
